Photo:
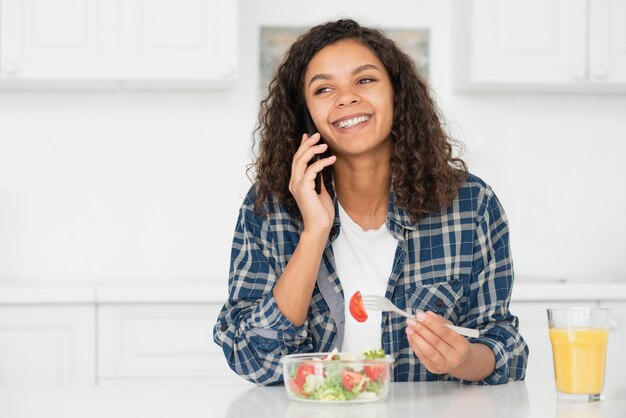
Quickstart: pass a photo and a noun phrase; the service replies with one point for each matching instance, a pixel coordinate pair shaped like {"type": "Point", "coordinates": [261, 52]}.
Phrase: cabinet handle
{"type": "Point", "coordinates": [9, 68]}
{"type": "Point", "coordinates": [600, 73]}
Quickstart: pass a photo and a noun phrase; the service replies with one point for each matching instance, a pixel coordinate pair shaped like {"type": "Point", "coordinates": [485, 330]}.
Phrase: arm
{"type": "Point", "coordinates": [490, 294]}
{"type": "Point", "coordinates": [499, 354]}
{"type": "Point", "coordinates": [251, 329]}
{"type": "Point", "coordinates": [295, 287]}
{"type": "Point", "coordinates": [265, 315]}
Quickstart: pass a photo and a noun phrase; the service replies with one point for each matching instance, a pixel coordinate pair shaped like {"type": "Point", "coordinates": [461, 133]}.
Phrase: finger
{"type": "Point", "coordinates": [437, 324]}
{"type": "Point", "coordinates": [305, 147]}
{"type": "Point", "coordinates": [432, 338]}
{"type": "Point", "coordinates": [313, 169]}
{"type": "Point", "coordinates": [430, 358]}
{"type": "Point", "coordinates": [306, 137]}
{"type": "Point", "coordinates": [303, 171]}
{"type": "Point", "coordinates": [303, 157]}
{"type": "Point", "coordinates": [306, 142]}
{"type": "Point", "coordinates": [322, 163]}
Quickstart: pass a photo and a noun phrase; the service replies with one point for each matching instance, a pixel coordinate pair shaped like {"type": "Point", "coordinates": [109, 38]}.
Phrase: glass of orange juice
{"type": "Point", "coordinates": [579, 338]}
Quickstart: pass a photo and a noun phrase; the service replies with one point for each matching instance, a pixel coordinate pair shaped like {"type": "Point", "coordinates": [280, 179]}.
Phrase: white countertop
{"type": "Point", "coordinates": [422, 399]}
{"type": "Point", "coordinates": [146, 292]}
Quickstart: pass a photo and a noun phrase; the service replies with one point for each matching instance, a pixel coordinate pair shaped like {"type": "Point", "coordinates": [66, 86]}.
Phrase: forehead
{"type": "Point", "coordinates": [341, 56]}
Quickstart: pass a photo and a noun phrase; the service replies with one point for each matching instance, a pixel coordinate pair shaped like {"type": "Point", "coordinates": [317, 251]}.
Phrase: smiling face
{"type": "Point", "coordinates": [350, 97]}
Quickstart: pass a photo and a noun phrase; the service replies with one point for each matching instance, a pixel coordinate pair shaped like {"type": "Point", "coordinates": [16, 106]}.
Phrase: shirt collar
{"type": "Point", "coordinates": [397, 215]}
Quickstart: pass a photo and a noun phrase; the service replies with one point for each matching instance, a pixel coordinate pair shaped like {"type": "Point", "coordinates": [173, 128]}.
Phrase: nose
{"type": "Point", "coordinates": [347, 97]}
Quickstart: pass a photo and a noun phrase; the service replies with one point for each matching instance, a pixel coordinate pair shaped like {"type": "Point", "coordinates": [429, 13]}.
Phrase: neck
{"type": "Point", "coordinates": [363, 189]}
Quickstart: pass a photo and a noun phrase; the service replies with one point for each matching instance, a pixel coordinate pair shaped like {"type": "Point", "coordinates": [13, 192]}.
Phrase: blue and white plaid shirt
{"type": "Point", "coordinates": [456, 263]}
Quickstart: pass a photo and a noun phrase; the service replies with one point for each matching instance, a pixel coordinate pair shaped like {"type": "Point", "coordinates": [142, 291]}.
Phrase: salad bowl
{"type": "Point", "coordinates": [337, 377]}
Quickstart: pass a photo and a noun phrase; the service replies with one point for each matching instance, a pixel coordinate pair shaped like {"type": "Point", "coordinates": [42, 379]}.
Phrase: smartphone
{"type": "Point", "coordinates": [310, 130]}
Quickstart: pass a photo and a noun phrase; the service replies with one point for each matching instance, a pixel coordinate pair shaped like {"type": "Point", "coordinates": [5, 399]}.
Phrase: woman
{"type": "Point", "coordinates": [397, 215]}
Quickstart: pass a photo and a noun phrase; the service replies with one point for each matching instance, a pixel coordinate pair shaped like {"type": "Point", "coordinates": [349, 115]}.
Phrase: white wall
{"type": "Point", "coordinates": [117, 185]}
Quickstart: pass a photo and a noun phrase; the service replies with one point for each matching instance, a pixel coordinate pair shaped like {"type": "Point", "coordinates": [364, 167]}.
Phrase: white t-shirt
{"type": "Point", "coordinates": [364, 260]}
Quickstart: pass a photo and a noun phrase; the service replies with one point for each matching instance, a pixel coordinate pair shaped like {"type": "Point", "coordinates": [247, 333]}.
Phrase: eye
{"type": "Point", "coordinates": [321, 90]}
{"type": "Point", "coordinates": [366, 80]}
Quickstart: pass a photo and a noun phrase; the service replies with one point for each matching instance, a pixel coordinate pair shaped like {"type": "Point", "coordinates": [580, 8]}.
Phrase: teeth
{"type": "Point", "coordinates": [351, 122]}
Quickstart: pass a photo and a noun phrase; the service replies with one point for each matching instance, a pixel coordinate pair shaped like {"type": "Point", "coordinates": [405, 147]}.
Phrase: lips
{"type": "Point", "coordinates": [351, 121]}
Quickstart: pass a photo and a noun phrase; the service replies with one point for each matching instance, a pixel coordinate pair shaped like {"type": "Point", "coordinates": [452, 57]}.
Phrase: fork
{"type": "Point", "coordinates": [379, 303]}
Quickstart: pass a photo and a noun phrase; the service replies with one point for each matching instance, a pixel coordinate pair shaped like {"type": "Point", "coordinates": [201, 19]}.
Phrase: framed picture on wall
{"type": "Point", "coordinates": [275, 40]}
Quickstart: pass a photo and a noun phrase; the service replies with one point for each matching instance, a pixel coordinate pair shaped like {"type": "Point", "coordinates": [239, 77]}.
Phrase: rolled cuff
{"type": "Point", "coordinates": [269, 322]}
{"type": "Point", "coordinates": [501, 373]}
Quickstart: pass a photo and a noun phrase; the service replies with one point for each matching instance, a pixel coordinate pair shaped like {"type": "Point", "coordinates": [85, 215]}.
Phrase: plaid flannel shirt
{"type": "Point", "coordinates": [456, 263]}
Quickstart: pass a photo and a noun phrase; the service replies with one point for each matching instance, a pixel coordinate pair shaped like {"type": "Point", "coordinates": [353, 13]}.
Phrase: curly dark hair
{"type": "Point", "coordinates": [426, 177]}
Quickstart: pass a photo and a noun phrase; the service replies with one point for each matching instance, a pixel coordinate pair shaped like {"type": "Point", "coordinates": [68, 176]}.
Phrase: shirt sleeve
{"type": "Point", "coordinates": [490, 294]}
{"type": "Point", "coordinates": [250, 328]}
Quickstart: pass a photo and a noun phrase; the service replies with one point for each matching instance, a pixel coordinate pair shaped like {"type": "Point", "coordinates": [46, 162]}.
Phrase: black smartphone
{"type": "Point", "coordinates": [310, 131]}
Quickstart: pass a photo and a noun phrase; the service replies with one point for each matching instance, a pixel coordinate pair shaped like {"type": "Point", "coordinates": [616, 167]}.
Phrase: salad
{"type": "Point", "coordinates": [338, 377]}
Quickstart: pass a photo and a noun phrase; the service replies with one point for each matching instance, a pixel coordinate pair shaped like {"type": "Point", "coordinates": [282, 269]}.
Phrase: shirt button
{"type": "Point", "coordinates": [224, 328]}
{"type": "Point", "coordinates": [439, 303]}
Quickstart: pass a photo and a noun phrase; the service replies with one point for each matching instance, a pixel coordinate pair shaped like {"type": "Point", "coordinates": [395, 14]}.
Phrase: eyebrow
{"type": "Point", "coordinates": [358, 69]}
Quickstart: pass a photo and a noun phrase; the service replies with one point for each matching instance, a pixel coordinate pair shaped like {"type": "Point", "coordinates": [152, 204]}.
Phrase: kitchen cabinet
{"type": "Point", "coordinates": [47, 345]}
{"type": "Point", "coordinates": [159, 343]}
{"type": "Point", "coordinates": [159, 333]}
{"type": "Point", "coordinates": [63, 40]}
{"type": "Point", "coordinates": [102, 43]}
{"type": "Point", "coordinates": [541, 45]}
{"type": "Point", "coordinates": [530, 300]}
{"type": "Point", "coordinates": [616, 368]}
{"type": "Point", "coordinates": [178, 42]}
{"type": "Point", "coordinates": [533, 325]}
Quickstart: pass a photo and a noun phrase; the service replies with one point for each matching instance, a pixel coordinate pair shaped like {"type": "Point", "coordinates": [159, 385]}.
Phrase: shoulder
{"type": "Point", "coordinates": [475, 195]}
{"type": "Point", "coordinates": [269, 206]}
{"type": "Point", "coordinates": [269, 212]}
{"type": "Point", "coordinates": [475, 187]}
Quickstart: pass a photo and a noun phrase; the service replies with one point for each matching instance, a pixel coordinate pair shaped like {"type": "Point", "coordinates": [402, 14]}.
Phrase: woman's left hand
{"type": "Point", "coordinates": [442, 350]}
{"type": "Point", "coordinates": [439, 348]}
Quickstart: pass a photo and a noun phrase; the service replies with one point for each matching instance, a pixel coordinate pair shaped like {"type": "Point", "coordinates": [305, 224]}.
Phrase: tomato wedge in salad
{"type": "Point", "coordinates": [351, 380]}
{"type": "Point", "coordinates": [376, 373]}
{"type": "Point", "coordinates": [356, 307]}
{"type": "Point", "coordinates": [301, 374]}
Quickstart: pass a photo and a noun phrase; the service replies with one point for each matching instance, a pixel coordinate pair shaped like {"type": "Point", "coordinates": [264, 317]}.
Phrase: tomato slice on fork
{"type": "Point", "coordinates": [357, 310]}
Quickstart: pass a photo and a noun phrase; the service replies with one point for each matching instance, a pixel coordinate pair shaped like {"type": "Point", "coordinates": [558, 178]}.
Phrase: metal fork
{"type": "Point", "coordinates": [379, 303]}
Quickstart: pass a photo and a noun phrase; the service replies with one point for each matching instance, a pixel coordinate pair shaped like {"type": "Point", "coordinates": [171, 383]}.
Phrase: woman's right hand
{"type": "Point", "coordinates": [318, 211]}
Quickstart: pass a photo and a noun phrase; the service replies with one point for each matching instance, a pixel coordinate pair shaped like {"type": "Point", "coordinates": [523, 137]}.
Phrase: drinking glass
{"type": "Point", "coordinates": [579, 338]}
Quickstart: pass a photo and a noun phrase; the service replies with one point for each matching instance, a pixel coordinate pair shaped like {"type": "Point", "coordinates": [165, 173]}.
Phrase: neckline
{"type": "Point", "coordinates": [343, 215]}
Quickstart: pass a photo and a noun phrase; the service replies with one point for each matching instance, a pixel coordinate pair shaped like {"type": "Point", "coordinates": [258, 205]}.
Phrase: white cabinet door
{"type": "Point", "coordinates": [159, 343]}
{"type": "Point", "coordinates": [534, 328]}
{"type": "Point", "coordinates": [541, 45]}
{"type": "Point", "coordinates": [615, 365]}
{"type": "Point", "coordinates": [62, 40]}
{"type": "Point", "coordinates": [532, 41]}
{"type": "Point", "coordinates": [178, 42]}
{"type": "Point", "coordinates": [58, 43]}
{"type": "Point", "coordinates": [607, 41]}
{"type": "Point", "coordinates": [47, 345]}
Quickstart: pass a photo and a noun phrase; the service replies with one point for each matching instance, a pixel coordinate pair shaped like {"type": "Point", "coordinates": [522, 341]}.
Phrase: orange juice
{"type": "Point", "coordinates": [579, 359]}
